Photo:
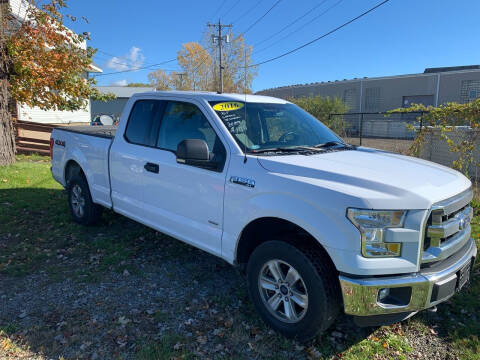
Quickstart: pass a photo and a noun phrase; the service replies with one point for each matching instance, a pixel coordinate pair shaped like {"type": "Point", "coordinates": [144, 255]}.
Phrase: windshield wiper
{"type": "Point", "coordinates": [330, 144]}
{"type": "Point", "coordinates": [284, 149]}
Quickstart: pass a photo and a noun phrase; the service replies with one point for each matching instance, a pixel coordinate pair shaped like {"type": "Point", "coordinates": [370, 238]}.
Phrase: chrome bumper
{"type": "Point", "coordinates": [420, 290]}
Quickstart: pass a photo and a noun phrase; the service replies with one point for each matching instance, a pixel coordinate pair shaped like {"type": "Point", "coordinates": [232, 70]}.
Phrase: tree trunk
{"type": "Point", "coordinates": [7, 130]}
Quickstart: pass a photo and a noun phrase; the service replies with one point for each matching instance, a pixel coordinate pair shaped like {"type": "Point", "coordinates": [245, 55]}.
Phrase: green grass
{"type": "Point", "coordinates": [37, 228]}
{"type": "Point", "coordinates": [380, 345]}
{"type": "Point", "coordinates": [169, 346]}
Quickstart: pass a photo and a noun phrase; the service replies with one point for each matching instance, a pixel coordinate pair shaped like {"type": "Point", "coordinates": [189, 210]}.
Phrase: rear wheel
{"type": "Point", "coordinates": [84, 211]}
{"type": "Point", "coordinates": [295, 291]}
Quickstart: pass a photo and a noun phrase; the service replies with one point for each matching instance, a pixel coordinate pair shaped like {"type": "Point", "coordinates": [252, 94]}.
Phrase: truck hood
{"type": "Point", "coordinates": [380, 179]}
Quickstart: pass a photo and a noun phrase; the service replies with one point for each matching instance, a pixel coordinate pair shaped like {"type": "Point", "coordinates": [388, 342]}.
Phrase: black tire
{"type": "Point", "coordinates": [91, 213]}
{"type": "Point", "coordinates": [320, 280]}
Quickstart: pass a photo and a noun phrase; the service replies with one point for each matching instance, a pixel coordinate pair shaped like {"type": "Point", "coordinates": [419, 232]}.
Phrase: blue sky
{"type": "Point", "coordinates": [403, 36]}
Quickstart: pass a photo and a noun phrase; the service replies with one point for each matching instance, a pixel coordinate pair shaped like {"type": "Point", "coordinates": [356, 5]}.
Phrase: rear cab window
{"type": "Point", "coordinates": [143, 122]}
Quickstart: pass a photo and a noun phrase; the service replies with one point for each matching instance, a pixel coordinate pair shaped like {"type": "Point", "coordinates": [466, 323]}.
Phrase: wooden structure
{"type": "Point", "coordinates": [32, 137]}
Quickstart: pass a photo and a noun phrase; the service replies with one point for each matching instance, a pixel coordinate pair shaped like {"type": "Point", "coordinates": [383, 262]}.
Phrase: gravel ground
{"type": "Point", "coordinates": [172, 291]}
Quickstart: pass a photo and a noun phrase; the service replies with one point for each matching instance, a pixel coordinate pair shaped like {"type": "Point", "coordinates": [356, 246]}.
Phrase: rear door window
{"type": "Point", "coordinates": [143, 123]}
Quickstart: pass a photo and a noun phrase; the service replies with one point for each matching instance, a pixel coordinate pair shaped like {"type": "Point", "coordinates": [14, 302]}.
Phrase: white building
{"type": "Point", "coordinates": [26, 113]}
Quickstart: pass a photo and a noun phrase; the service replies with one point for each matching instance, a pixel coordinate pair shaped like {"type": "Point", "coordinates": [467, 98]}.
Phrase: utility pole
{"type": "Point", "coordinates": [181, 75]}
{"type": "Point", "coordinates": [218, 39]}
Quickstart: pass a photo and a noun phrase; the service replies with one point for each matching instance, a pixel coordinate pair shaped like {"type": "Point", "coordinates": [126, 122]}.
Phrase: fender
{"type": "Point", "coordinates": [328, 226]}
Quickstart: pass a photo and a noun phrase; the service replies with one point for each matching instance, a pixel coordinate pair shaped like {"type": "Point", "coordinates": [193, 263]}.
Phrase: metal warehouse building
{"type": "Point", "coordinates": [434, 86]}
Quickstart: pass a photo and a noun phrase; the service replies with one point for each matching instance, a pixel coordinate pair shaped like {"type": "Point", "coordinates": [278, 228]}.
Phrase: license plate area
{"type": "Point", "coordinates": [464, 275]}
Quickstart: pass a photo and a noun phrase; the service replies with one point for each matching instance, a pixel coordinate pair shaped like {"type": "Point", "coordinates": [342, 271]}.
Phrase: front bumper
{"type": "Point", "coordinates": [411, 293]}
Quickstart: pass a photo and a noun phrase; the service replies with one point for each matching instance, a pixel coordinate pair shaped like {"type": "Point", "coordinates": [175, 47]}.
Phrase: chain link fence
{"type": "Point", "coordinates": [397, 132]}
{"type": "Point", "coordinates": [391, 132]}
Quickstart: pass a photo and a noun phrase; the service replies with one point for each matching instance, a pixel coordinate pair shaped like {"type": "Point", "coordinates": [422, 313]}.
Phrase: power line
{"type": "Point", "coordinates": [300, 27]}
{"type": "Point", "coordinates": [231, 8]}
{"type": "Point", "coordinates": [293, 22]}
{"type": "Point", "coordinates": [106, 53]}
{"type": "Point", "coordinates": [140, 68]}
{"type": "Point", "coordinates": [218, 9]}
{"type": "Point", "coordinates": [260, 18]}
{"type": "Point", "coordinates": [322, 36]}
{"type": "Point", "coordinates": [248, 11]}
{"type": "Point", "coordinates": [105, 58]}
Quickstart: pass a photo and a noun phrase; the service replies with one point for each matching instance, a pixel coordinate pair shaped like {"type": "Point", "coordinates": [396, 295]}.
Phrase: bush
{"type": "Point", "coordinates": [447, 117]}
{"type": "Point", "coordinates": [322, 107]}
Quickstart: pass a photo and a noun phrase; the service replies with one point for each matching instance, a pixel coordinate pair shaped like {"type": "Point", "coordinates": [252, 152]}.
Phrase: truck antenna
{"type": "Point", "coordinates": [245, 92]}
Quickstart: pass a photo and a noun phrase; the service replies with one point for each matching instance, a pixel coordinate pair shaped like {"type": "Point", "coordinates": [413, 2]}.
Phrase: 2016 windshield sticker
{"type": "Point", "coordinates": [227, 106]}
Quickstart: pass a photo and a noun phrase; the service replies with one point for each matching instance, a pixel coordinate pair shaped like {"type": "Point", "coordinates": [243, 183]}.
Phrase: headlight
{"type": "Point", "coordinates": [372, 224]}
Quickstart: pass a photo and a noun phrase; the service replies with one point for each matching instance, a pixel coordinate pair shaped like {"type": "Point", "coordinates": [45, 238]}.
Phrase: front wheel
{"type": "Point", "coordinates": [294, 291]}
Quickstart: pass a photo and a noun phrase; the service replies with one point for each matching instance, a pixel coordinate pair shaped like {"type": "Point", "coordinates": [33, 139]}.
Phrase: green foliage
{"type": "Point", "coordinates": [139, 85]}
{"type": "Point", "coordinates": [445, 118]}
{"type": "Point", "coordinates": [322, 107]}
{"type": "Point", "coordinates": [47, 61]}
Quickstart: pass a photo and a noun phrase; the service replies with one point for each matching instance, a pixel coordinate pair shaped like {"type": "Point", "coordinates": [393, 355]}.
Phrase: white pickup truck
{"type": "Point", "coordinates": [319, 226]}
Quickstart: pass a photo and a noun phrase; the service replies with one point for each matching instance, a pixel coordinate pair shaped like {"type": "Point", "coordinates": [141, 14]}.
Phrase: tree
{"type": "Point", "coordinates": [199, 67]}
{"type": "Point", "coordinates": [42, 64]}
{"type": "Point", "coordinates": [235, 55]}
{"type": "Point", "coordinates": [160, 79]}
{"type": "Point", "coordinates": [322, 107]}
{"type": "Point", "coordinates": [195, 62]}
{"type": "Point", "coordinates": [138, 85]}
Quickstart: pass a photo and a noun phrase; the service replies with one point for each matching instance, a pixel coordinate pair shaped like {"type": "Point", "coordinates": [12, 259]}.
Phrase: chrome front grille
{"type": "Point", "coordinates": [448, 227]}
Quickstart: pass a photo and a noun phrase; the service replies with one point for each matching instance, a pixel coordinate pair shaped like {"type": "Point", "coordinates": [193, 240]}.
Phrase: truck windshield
{"type": "Point", "coordinates": [259, 127]}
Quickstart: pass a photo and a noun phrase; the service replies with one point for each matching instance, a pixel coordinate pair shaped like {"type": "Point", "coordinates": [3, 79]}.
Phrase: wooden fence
{"type": "Point", "coordinates": [32, 137]}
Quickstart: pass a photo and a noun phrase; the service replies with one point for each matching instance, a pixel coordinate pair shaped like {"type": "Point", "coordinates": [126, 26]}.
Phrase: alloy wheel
{"type": "Point", "coordinates": [283, 291]}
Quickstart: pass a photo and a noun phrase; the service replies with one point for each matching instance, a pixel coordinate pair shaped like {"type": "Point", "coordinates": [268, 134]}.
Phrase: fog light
{"type": "Point", "coordinates": [383, 294]}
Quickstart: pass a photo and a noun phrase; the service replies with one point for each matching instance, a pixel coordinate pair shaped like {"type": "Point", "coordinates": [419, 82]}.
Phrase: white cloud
{"type": "Point", "coordinates": [131, 61]}
{"type": "Point", "coordinates": [119, 83]}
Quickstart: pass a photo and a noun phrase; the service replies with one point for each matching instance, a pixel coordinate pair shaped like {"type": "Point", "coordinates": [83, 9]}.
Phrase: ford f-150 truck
{"type": "Point", "coordinates": [318, 226]}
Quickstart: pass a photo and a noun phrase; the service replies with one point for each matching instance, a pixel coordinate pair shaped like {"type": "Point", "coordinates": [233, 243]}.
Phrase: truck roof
{"type": "Point", "coordinates": [213, 96]}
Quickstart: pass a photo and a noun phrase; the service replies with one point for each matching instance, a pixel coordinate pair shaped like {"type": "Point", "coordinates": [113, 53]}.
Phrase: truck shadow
{"type": "Point", "coordinates": [119, 289]}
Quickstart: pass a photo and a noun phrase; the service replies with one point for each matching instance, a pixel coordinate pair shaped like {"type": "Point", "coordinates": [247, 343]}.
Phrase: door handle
{"type": "Point", "coordinates": [154, 168]}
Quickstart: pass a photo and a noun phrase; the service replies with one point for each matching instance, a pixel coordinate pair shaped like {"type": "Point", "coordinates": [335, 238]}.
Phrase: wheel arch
{"type": "Point", "coordinates": [263, 229]}
{"type": "Point", "coordinates": [72, 168]}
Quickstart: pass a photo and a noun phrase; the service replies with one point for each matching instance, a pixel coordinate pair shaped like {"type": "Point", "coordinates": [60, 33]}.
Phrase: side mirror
{"type": "Point", "coordinates": [194, 152]}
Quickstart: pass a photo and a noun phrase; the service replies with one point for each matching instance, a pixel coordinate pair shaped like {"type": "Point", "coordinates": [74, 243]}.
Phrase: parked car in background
{"type": "Point", "coordinates": [319, 226]}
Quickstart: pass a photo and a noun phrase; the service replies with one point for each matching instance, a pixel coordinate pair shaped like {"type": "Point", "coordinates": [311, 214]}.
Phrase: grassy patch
{"type": "Point", "coordinates": [169, 346]}
{"type": "Point", "coordinates": [37, 231]}
{"type": "Point", "coordinates": [382, 345]}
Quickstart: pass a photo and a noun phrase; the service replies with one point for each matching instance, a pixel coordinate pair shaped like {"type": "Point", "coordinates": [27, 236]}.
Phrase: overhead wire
{"type": "Point", "coordinates": [257, 3]}
{"type": "Point", "coordinates": [300, 27]}
{"type": "Point", "coordinates": [231, 8]}
{"type": "Point", "coordinates": [103, 57]}
{"type": "Point", "coordinates": [218, 9]}
{"type": "Point", "coordinates": [321, 36]}
{"type": "Point", "coordinates": [259, 19]}
{"type": "Point", "coordinates": [139, 68]}
{"type": "Point", "coordinates": [291, 23]}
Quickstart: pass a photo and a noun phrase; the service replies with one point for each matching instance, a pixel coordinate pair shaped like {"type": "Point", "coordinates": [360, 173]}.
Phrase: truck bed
{"type": "Point", "coordinates": [107, 132]}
